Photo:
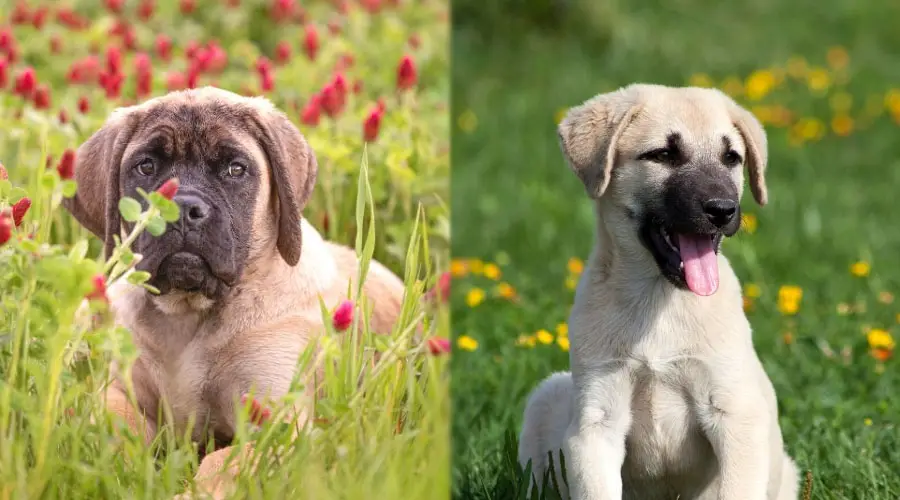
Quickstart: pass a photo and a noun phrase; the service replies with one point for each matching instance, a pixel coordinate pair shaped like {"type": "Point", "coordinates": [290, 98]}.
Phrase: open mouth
{"type": "Point", "coordinates": [687, 260]}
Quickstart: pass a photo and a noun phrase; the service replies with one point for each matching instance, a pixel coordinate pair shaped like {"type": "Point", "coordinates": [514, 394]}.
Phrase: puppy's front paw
{"type": "Point", "coordinates": [213, 479]}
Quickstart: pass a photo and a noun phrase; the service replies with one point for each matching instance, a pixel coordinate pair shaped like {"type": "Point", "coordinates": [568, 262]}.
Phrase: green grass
{"type": "Point", "coordinates": [386, 437]}
{"type": "Point", "coordinates": [832, 203]}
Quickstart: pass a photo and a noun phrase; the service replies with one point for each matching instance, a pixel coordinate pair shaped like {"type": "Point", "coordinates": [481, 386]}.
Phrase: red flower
{"type": "Point", "coordinates": [283, 52]}
{"type": "Point", "coordinates": [187, 6]}
{"type": "Point", "coordinates": [169, 188]}
{"type": "Point", "coordinates": [6, 39]}
{"type": "Point", "coordinates": [25, 82]}
{"type": "Point", "coordinates": [63, 117]}
{"type": "Point", "coordinates": [175, 81]}
{"type": "Point", "coordinates": [263, 65]}
{"type": "Point", "coordinates": [371, 125]}
{"type": "Point", "coordinates": [281, 9]}
{"type": "Point", "coordinates": [343, 316]}
{"type": "Point", "coordinates": [42, 97]}
{"type": "Point", "coordinates": [258, 413]}
{"type": "Point", "coordinates": [55, 44]}
{"type": "Point", "coordinates": [441, 290]}
{"type": "Point", "coordinates": [372, 6]}
{"type": "Point", "coordinates": [112, 83]}
{"type": "Point", "coordinates": [217, 58]}
{"type": "Point", "coordinates": [129, 39]}
{"type": "Point", "coordinates": [191, 49]}
{"type": "Point", "coordinates": [39, 17]}
{"type": "Point", "coordinates": [20, 209]}
{"type": "Point", "coordinates": [84, 105]}
{"type": "Point", "coordinates": [312, 111]}
{"type": "Point", "coordinates": [163, 47]}
{"type": "Point", "coordinates": [357, 86]}
{"type": "Point", "coordinates": [66, 167]}
{"type": "Point", "coordinates": [20, 15]}
{"type": "Point", "coordinates": [144, 74]}
{"type": "Point", "coordinates": [4, 73]}
{"type": "Point", "coordinates": [99, 291]}
{"type": "Point", "coordinates": [113, 60]}
{"type": "Point", "coordinates": [406, 73]}
{"type": "Point", "coordinates": [115, 6]}
{"type": "Point", "coordinates": [311, 42]}
{"type": "Point", "coordinates": [6, 226]}
{"type": "Point", "coordinates": [268, 82]}
{"type": "Point", "coordinates": [438, 346]}
{"type": "Point", "coordinates": [145, 9]}
{"type": "Point", "coordinates": [69, 18]}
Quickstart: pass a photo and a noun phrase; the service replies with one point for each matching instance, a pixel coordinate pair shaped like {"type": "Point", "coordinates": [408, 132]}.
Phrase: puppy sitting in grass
{"type": "Point", "coordinates": [666, 398]}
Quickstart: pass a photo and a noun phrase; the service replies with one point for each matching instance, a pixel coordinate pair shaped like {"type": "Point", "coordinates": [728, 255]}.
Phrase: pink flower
{"type": "Point", "coordinates": [343, 316]}
{"type": "Point", "coordinates": [99, 291]}
{"type": "Point", "coordinates": [42, 97]}
{"type": "Point", "coordinates": [115, 6]}
{"type": "Point", "coordinates": [143, 74]}
{"type": "Point", "coordinates": [441, 290]}
{"type": "Point", "coordinates": [175, 81]}
{"type": "Point", "coordinates": [66, 167]}
{"type": "Point", "coordinates": [4, 73]}
{"type": "Point", "coordinates": [169, 188]}
{"type": "Point", "coordinates": [163, 47]}
{"type": "Point", "coordinates": [145, 9]}
{"type": "Point", "coordinates": [371, 125]}
{"type": "Point", "coordinates": [311, 42]}
{"type": "Point", "coordinates": [312, 111]}
{"type": "Point", "coordinates": [283, 52]}
{"type": "Point", "coordinates": [187, 6]}
{"type": "Point", "coordinates": [20, 209]}
{"type": "Point", "coordinates": [406, 73]}
{"type": "Point", "coordinates": [113, 59]}
{"type": "Point", "coordinates": [84, 105]}
{"type": "Point", "coordinates": [25, 82]}
{"type": "Point", "coordinates": [259, 414]}
{"type": "Point", "coordinates": [6, 226]}
{"type": "Point", "coordinates": [438, 346]}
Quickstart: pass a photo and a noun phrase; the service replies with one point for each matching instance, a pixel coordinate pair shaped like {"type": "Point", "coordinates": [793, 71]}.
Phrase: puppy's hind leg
{"type": "Point", "coordinates": [547, 415]}
{"type": "Point", "coordinates": [790, 478]}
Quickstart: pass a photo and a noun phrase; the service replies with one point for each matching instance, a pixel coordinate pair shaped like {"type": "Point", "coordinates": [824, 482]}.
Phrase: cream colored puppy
{"type": "Point", "coordinates": [666, 397]}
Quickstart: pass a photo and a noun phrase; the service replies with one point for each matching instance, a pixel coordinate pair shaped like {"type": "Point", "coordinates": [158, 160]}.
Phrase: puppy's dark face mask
{"type": "Point", "coordinates": [218, 145]}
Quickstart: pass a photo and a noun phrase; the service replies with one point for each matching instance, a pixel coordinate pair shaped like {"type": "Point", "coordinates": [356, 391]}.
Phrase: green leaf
{"type": "Point", "coordinates": [49, 180]}
{"type": "Point", "coordinates": [79, 251]}
{"type": "Point", "coordinates": [127, 257]}
{"type": "Point", "coordinates": [156, 226]}
{"type": "Point", "coordinates": [16, 194]}
{"type": "Point", "coordinates": [138, 277]}
{"type": "Point", "coordinates": [5, 186]}
{"type": "Point", "coordinates": [130, 209]}
{"type": "Point", "coordinates": [150, 288]}
{"type": "Point", "coordinates": [69, 188]}
{"type": "Point", "coordinates": [29, 246]}
{"type": "Point", "coordinates": [169, 210]}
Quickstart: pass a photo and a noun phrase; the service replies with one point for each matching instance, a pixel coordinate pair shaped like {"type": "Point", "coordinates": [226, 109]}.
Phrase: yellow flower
{"type": "Point", "coordinates": [560, 114]}
{"type": "Point", "coordinates": [506, 290]}
{"type": "Point", "coordinates": [562, 330]}
{"type": "Point", "coordinates": [467, 121]}
{"type": "Point", "coordinates": [526, 341]}
{"type": "Point", "coordinates": [733, 86]}
{"type": "Point", "coordinates": [789, 297]}
{"type": "Point", "coordinates": [868, 422]}
{"type": "Point", "coordinates": [892, 101]}
{"type": "Point", "coordinates": [752, 290]}
{"type": "Point", "coordinates": [458, 268]}
{"type": "Point", "coordinates": [476, 266]}
{"type": "Point", "coordinates": [759, 84]}
{"type": "Point", "coordinates": [842, 125]}
{"type": "Point", "coordinates": [818, 80]}
{"type": "Point", "coordinates": [571, 282]}
{"type": "Point", "coordinates": [491, 271]}
{"type": "Point", "coordinates": [809, 129]}
{"type": "Point", "coordinates": [700, 80]}
{"type": "Point", "coordinates": [575, 265]}
{"type": "Point", "coordinates": [544, 337]}
{"type": "Point", "coordinates": [474, 297]}
{"type": "Point", "coordinates": [467, 343]}
{"type": "Point", "coordinates": [563, 343]}
{"type": "Point", "coordinates": [797, 67]}
{"type": "Point", "coordinates": [880, 339]}
{"type": "Point", "coordinates": [860, 269]}
{"type": "Point", "coordinates": [841, 102]}
{"type": "Point", "coordinates": [749, 223]}
{"type": "Point", "coordinates": [838, 57]}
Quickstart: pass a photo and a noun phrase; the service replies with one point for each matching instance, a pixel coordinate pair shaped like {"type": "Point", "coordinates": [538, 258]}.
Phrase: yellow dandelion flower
{"type": "Point", "coordinates": [818, 80]}
{"type": "Point", "coordinates": [467, 121]}
{"type": "Point", "coordinates": [491, 271]}
{"type": "Point", "coordinates": [575, 265]}
{"type": "Point", "coordinates": [544, 337]}
{"type": "Point", "coordinates": [475, 297]}
{"type": "Point", "coordinates": [789, 297]}
{"type": "Point", "coordinates": [526, 341]}
{"type": "Point", "coordinates": [458, 268]}
{"type": "Point", "coordinates": [467, 343]}
{"type": "Point", "coordinates": [562, 330]}
{"type": "Point", "coordinates": [860, 269]}
{"type": "Point", "coordinates": [880, 339]}
{"type": "Point", "coordinates": [868, 422]}
{"type": "Point", "coordinates": [752, 290]}
{"type": "Point", "coordinates": [892, 100]}
{"type": "Point", "coordinates": [476, 266]}
{"type": "Point", "coordinates": [563, 343]}
{"type": "Point", "coordinates": [560, 114]}
{"type": "Point", "coordinates": [841, 102]}
{"type": "Point", "coordinates": [797, 67]}
{"type": "Point", "coordinates": [759, 84]}
{"type": "Point", "coordinates": [838, 57]}
{"type": "Point", "coordinates": [733, 86]}
{"type": "Point", "coordinates": [765, 114]}
{"type": "Point", "coordinates": [842, 125]}
{"type": "Point", "coordinates": [571, 282]}
{"type": "Point", "coordinates": [506, 291]}
{"type": "Point", "coordinates": [749, 223]}
{"type": "Point", "coordinates": [886, 297]}
{"type": "Point", "coordinates": [809, 129]}
{"type": "Point", "coordinates": [700, 80]}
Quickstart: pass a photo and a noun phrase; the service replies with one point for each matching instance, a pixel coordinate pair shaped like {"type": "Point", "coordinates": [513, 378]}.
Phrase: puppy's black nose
{"type": "Point", "coordinates": [720, 211]}
{"type": "Point", "coordinates": [194, 211]}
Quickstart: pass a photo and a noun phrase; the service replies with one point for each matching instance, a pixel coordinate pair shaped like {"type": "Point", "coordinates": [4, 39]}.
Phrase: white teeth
{"type": "Point", "coordinates": [681, 266]}
{"type": "Point", "coordinates": [665, 236]}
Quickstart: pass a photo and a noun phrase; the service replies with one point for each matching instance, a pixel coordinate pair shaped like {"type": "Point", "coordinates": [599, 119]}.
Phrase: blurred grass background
{"type": "Point", "coordinates": [818, 262]}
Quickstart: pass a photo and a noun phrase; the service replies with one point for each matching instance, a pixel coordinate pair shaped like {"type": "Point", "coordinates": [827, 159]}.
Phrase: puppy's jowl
{"type": "Point", "coordinates": [666, 398]}
{"type": "Point", "coordinates": [241, 272]}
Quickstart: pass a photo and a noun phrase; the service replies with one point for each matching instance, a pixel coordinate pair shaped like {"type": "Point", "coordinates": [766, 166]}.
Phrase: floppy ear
{"type": "Point", "coordinates": [97, 163]}
{"type": "Point", "coordinates": [588, 136]}
{"type": "Point", "coordinates": [294, 170]}
{"type": "Point", "coordinates": [757, 149]}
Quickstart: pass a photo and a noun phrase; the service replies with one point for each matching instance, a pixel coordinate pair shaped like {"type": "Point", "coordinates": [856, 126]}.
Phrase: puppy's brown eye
{"type": "Point", "coordinates": [659, 156]}
{"type": "Point", "coordinates": [146, 168]}
{"type": "Point", "coordinates": [731, 158]}
{"type": "Point", "coordinates": [236, 170]}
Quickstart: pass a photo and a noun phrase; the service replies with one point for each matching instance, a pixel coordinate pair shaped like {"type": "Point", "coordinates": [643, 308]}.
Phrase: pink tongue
{"type": "Point", "coordinates": [701, 269]}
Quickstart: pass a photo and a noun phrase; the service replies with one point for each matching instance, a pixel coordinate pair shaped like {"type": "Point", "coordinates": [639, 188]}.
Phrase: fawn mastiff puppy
{"type": "Point", "coordinates": [666, 398]}
{"type": "Point", "coordinates": [240, 274]}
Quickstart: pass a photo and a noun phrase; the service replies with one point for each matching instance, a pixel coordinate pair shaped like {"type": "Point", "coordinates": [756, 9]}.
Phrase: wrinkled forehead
{"type": "Point", "coordinates": [693, 120]}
